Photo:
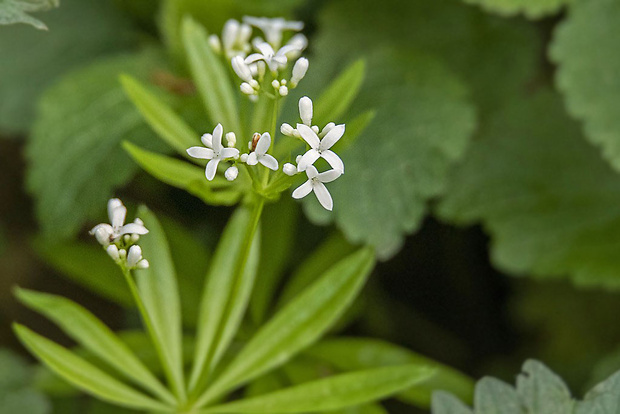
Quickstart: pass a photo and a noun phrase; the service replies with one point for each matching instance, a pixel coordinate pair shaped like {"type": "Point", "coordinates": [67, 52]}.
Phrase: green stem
{"type": "Point", "coordinates": [178, 389]}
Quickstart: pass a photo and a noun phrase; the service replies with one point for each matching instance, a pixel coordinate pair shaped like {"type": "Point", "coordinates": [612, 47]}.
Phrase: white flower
{"type": "Point", "coordinates": [109, 233]}
{"type": "Point", "coordinates": [299, 71]}
{"type": "Point", "coordinates": [260, 153]}
{"type": "Point", "coordinates": [316, 182]}
{"type": "Point", "coordinates": [215, 154]}
{"type": "Point", "coordinates": [231, 173]}
{"type": "Point", "coordinates": [320, 148]}
{"type": "Point", "coordinates": [236, 38]}
{"type": "Point", "coordinates": [275, 60]}
{"type": "Point", "coordinates": [134, 258]}
{"type": "Point", "coordinates": [273, 28]}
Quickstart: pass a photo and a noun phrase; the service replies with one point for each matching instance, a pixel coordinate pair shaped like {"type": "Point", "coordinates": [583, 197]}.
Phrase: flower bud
{"type": "Point", "coordinates": [289, 169]}
{"type": "Point", "coordinates": [247, 89]}
{"type": "Point", "coordinates": [305, 110]}
{"type": "Point", "coordinates": [112, 251]}
{"type": "Point", "coordinates": [315, 129]}
{"type": "Point", "coordinates": [207, 140]}
{"type": "Point", "coordinates": [283, 91]}
{"type": "Point", "coordinates": [327, 128]}
{"type": "Point", "coordinates": [299, 71]}
{"type": "Point", "coordinates": [143, 264]}
{"type": "Point", "coordinates": [287, 130]}
{"type": "Point", "coordinates": [230, 34]}
{"type": "Point", "coordinates": [134, 256]}
{"type": "Point", "coordinates": [243, 158]}
{"type": "Point", "coordinates": [215, 43]}
{"type": "Point", "coordinates": [231, 139]}
{"type": "Point", "coordinates": [103, 234]}
{"type": "Point", "coordinates": [241, 69]}
{"type": "Point", "coordinates": [275, 84]}
{"type": "Point", "coordinates": [231, 173]}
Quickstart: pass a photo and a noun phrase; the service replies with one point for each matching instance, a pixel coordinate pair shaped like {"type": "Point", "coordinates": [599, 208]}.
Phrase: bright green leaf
{"type": "Point", "coordinates": [227, 292]}
{"type": "Point", "coordinates": [298, 324]}
{"type": "Point", "coordinates": [360, 353]}
{"type": "Point", "coordinates": [182, 174]}
{"type": "Point", "coordinates": [211, 77]}
{"type": "Point", "coordinates": [75, 156]}
{"type": "Point", "coordinates": [93, 335]}
{"type": "Point", "coordinates": [83, 374]}
{"type": "Point", "coordinates": [101, 29]}
{"type": "Point", "coordinates": [160, 293]}
{"type": "Point", "coordinates": [534, 182]}
{"type": "Point", "coordinates": [585, 48]}
{"type": "Point", "coordinates": [16, 11]}
{"type": "Point", "coordinates": [332, 393]}
{"type": "Point", "coordinates": [161, 118]}
{"type": "Point", "coordinates": [532, 9]}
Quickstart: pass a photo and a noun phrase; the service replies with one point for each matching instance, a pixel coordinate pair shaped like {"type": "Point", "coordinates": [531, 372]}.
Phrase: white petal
{"type": "Point", "coordinates": [132, 228]}
{"type": "Point", "coordinates": [329, 176]}
{"type": "Point", "coordinates": [229, 33]}
{"type": "Point", "coordinates": [269, 162]}
{"type": "Point", "coordinates": [217, 138]}
{"type": "Point", "coordinates": [264, 142]}
{"type": "Point", "coordinates": [333, 159]}
{"type": "Point", "coordinates": [241, 68]}
{"type": "Point", "coordinates": [311, 172]}
{"type": "Point", "coordinates": [285, 49]}
{"type": "Point", "coordinates": [303, 190]}
{"type": "Point", "coordinates": [229, 153]}
{"type": "Point", "coordinates": [118, 216]}
{"type": "Point", "coordinates": [323, 195]}
{"type": "Point", "coordinates": [134, 256]}
{"type": "Point", "coordinates": [309, 135]}
{"type": "Point", "coordinates": [106, 227]}
{"type": "Point", "coordinates": [211, 169]}
{"type": "Point", "coordinates": [201, 152]}
{"type": "Point", "coordinates": [280, 60]}
{"type": "Point", "coordinates": [332, 137]}
{"type": "Point", "coordinates": [307, 160]}
{"type": "Point", "coordinates": [253, 58]}
{"type": "Point", "coordinates": [305, 110]}
{"type": "Point", "coordinates": [252, 159]}
{"type": "Point", "coordinates": [266, 49]}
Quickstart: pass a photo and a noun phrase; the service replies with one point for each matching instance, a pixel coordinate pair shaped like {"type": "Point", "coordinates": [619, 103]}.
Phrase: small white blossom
{"type": "Point", "coordinates": [231, 173]}
{"type": "Point", "coordinates": [259, 155]}
{"type": "Point", "coordinates": [320, 148]}
{"type": "Point", "coordinates": [289, 169]}
{"type": "Point", "coordinates": [215, 154]}
{"type": "Point", "coordinates": [110, 233]}
{"type": "Point", "coordinates": [299, 71]}
{"type": "Point", "coordinates": [316, 182]}
{"type": "Point", "coordinates": [274, 60]}
{"type": "Point", "coordinates": [273, 28]}
{"type": "Point", "coordinates": [236, 38]}
{"type": "Point", "coordinates": [135, 259]}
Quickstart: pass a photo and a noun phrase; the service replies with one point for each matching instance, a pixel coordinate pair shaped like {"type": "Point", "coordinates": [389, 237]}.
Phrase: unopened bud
{"type": "Point", "coordinates": [231, 173]}
{"type": "Point", "coordinates": [143, 264]}
{"type": "Point", "coordinates": [305, 110]}
{"type": "Point", "coordinates": [231, 139]}
{"type": "Point", "coordinates": [243, 158]}
{"type": "Point", "coordinates": [275, 84]}
{"type": "Point", "coordinates": [215, 43]}
{"type": "Point", "coordinates": [241, 69]}
{"type": "Point", "coordinates": [207, 140]}
{"type": "Point", "coordinates": [287, 130]}
{"type": "Point", "coordinates": [112, 251]}
{"type": "Point", "coordinates": [289, 169]}
{"type": "Point", "coordinates": [315, 129]}
{"type": "Point", "coordinates": [299, 71]}
{"type": "Point", "coordinates": [283, 91]}
{"type": "Point", "coordinates": [247, 89]}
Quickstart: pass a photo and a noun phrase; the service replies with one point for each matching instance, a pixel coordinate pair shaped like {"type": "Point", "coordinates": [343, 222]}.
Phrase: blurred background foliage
{"type": "Point", "coordinates": [487, 179]}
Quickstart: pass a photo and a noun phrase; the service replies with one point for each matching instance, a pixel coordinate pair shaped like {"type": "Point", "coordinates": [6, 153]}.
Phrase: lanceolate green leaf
{"type": "Point", "coordinates": [211, 78]}
{"type": "Point", "coordinates": [359, 353]}
{"type": "Point", "coordinates": [530, 8]}
{"type": "Point", "coordinates": [338, 96]}
{"type": "Point", "coordinates": [160, 293]}
{"type": "Point", "coordinates": [227, 291]}
{"type": "Point", "coordinates": [182, 174]}
{"type": "Point", "coordinates": [83, 374]}
{"type": "Point", "coordinates": [298, 324]}
{"type": "Point", "coordinates": [93, 335]}
{"type": "Point", "coordinates": [161, 118]}
{"type": "Point", "coordinates": [331, 393]}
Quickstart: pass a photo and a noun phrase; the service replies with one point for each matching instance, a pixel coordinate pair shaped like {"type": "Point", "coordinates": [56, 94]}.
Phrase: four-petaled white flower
{"type": "Point", "coordinates": [320, 148]}
{"type": "Point", "coordinates": [260, 153]}
{"type": "Point", "coordinates": [215, 153]}
{"type": "Point", "coordinates": [109, 233]}
{"type": "Point", "coordinates": [275, 60]}
{"type": "Point", "coordinates": [316, 182]}
{"type": "Point", "coordinates": [273, 27]}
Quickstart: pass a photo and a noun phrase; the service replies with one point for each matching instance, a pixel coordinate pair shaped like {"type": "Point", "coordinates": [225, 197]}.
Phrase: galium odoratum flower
{"type": "Point", "coordinates": [274, 60]}
{"type": "Point", "coordinates": [316, 182]}
{"type": "Point", "coordinates": [259, 155]}
{"type": "Point", "coordinates": [235, 39]}
{"type": "Point", "coordinates": [273, 28]}
{"type": "Point", "coordinates": [320, 148]}
{"type": "Point", "coordinates": [107, 234]}
{"type": "Point", "coordinates": [213, 151]}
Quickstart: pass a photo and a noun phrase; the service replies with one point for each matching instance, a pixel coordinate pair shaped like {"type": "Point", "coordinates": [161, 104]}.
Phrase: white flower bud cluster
{"type": "Point", "coordinates": [119, 239]}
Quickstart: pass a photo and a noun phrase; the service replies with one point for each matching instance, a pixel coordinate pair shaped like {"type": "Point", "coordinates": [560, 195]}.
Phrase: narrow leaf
{"type": "Point", "coordinates": [183, 175]}
{"type": "Point", "coordinates": [298, 324]}
{"type": "Point", "coordinates": [339, 95]}
{"type": "Point", "coordinates": [332, 393]}
{"type": "Point", "coordinates": [227, 291]}
{"type": "Point", "coordinates": [83, 374]}
{"type": "Point", "coordinates": [93, 335]}
{"type": "Point", "coordinates": [160, 117]}
{"type": "Point", "coordinates": [160, 294]}
{"type": "Point", "coordinates": [210, 76]}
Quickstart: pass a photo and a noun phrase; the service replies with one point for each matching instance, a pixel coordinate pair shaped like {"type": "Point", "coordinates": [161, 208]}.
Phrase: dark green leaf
{"type": "Point", "coordinates": [533, 9]}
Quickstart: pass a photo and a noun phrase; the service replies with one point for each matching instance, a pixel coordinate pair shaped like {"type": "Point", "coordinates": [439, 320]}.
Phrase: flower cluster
{"type": "Point", "coordinates": [252, 69]}
{"type": "Point", "coordinates": [119, 239]}
{"type": "Point", "coordinates": [269, 54]}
